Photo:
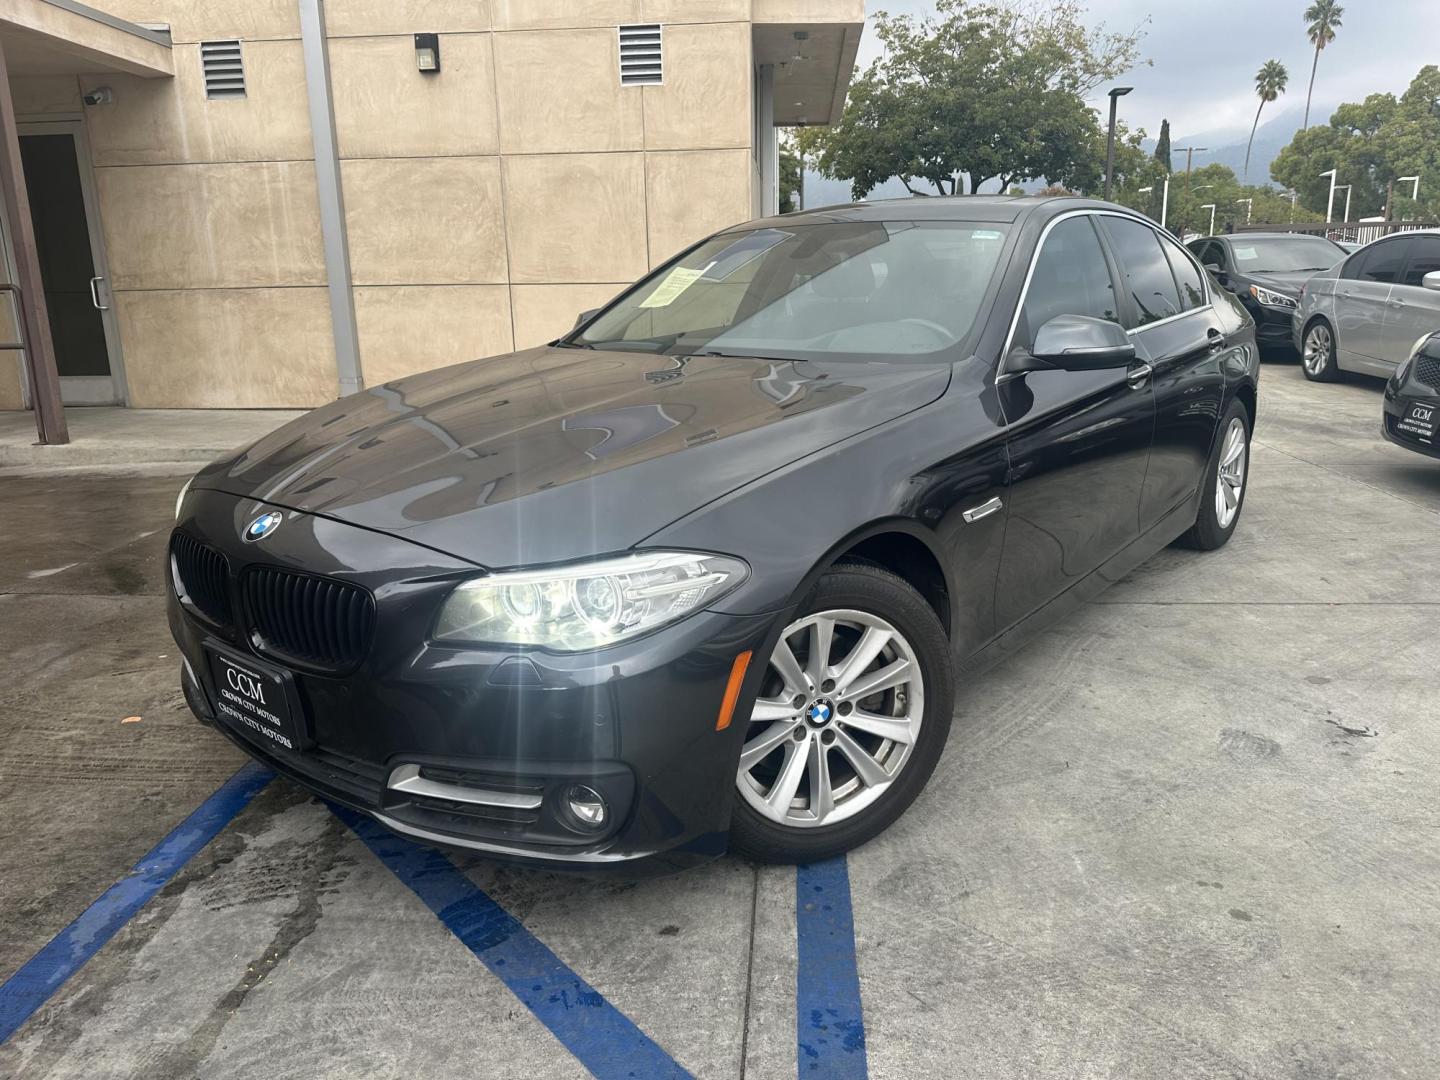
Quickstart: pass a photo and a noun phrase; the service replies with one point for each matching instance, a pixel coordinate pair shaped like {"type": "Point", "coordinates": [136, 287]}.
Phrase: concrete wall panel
{"type": "Point", "coordinates": [207, 20]}
{"type": "Point", "coordinates": [424, 221]}
{"type": "Point", "coordinates": [554, 14]}
{"type": "Point", "coordinates": [358, 18]}
{"type": "Point", "coordinates": [386, 108]}
{"type": "Point", "coordinates": [705, 100]}
{"type": "Point", "coordinates": [690, 194]}
{"type": "Point", "coordinates": [576, 217]}
{"type": "Point", "coordinates": [10, 378]}
{"type": "Point", "coordinates": [211, 226]}
{"type": "Point", "coordinates": [39, 94]}
{"type": "Point", "coordinates": [544, 312]}
{"type": "Point", "coordinates": [163, 121]}
{"type": "Point", "coordinates": [227, 348]}
{"type": "Point", "coordinates": [418, 328]}
{"type": "Point", "coordinates": [549, 106]}
{"type": "Point", "coordinates": [693, 11]}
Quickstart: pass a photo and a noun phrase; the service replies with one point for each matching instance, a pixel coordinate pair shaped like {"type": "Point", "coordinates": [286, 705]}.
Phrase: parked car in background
{"type": "Point", "coordinates": [1266, 272]}
{"type": "Point", "coordinates": [1365, 314]}
{"type": "Point", "coordinates": [704, 567]}
{"type": "Point", "coordinates": [1412, 399]}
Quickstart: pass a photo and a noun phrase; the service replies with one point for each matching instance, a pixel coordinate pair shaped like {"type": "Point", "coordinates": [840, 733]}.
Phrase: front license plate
{"type": "Point", "coordinates": [255, 699]}
{"type": "Point", "coordinates": [1419, 422]}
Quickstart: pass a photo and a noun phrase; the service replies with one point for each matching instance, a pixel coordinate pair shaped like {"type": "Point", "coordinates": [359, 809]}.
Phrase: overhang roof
{"type": "Point", "coordinates": [64, 37]}
{"type": "Point", "coordinates": [811, 44]}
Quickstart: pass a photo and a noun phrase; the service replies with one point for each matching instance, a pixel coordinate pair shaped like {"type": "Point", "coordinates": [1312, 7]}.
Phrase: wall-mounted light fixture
{"type": "Point", "coordinates": [427, 53]}
{"type": "Point", "coordinates": [101, 95]}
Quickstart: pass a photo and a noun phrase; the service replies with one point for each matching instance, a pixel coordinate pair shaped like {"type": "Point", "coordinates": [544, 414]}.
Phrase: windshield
{"type": "Point", "coordinates": [1284, 254]}
{"type": "Point", "coordinates": [856, 289]}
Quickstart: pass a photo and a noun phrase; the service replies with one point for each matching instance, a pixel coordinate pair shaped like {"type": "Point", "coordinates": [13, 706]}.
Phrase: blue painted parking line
{"type": "Point", "coordinates": [601, 1037]}
{"type": "Point", "coordinates": [829, 1023]}
{"type": "Point", "coordinates": [46, 971]}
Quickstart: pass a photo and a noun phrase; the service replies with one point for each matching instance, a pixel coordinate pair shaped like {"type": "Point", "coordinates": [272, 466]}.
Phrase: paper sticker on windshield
{"type": "Point", "coordinates": [1244, 254]}
{"type": "Point", "coordinates": [986, 234]}
{"type": "Point", "coordinates": [669, 290]}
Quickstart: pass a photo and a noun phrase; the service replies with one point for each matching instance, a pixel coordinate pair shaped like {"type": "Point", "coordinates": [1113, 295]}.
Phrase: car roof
{"type": "Point", "coordinates": [1257, 235]}
{"type": "Point", "coordinates": [998, 208]}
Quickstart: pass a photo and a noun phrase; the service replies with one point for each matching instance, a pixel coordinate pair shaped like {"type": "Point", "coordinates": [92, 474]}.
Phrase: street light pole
{"type": "Point", "coordinates": [1211, 207]}
{"type": "Point", "coordinates": [1348, 188]}
{"type": "Point", "coordinates": [1415, 195]}
{"type": "Point", "coordinates": [1164, 200]}
{"type": "Point", "coordinates": [1115, 95]}
{"type": "Point", "coordinates": [1330, 203]}
{"type": "Point", "coordinates": [1249, 207]}
{"type": "Point", "coordinates": [1189, 159]}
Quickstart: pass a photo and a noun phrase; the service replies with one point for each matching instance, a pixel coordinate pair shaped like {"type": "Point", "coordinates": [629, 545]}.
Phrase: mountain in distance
{"type": "Point", "coordinates": [1226, 147]}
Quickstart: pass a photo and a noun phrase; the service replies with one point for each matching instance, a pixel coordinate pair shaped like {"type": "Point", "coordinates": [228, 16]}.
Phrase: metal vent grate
{"type": "Point", "coordinates": [224, 69]}
{"type": "Point", "coordinates": [640, 55]}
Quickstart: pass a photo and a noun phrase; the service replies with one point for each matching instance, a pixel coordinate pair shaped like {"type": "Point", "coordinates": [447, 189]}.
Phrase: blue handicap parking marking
{"type": "Point", "coordinates": [601, 1037]}
{"type": "Point", "coordinates": [68, 951]}
{"type": "Point", "coordinates": [830, 1025]}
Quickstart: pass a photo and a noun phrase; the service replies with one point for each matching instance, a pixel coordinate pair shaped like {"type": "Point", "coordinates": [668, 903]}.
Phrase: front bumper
{"type": "Point", "coordinates": [513, 729]}
{"type": "Point", "coordinates": [1398, 426]}
{"type": "Point", "coordinates": [1273, 326]}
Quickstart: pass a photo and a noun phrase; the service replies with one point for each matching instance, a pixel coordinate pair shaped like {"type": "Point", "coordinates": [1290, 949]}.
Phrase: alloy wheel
{"type": "Point", "coordinates": [836, 720]}
{"type": "Point", "coordinates": [1317, 349]}
{"type": "Point", "coordinates": [1230, 478]}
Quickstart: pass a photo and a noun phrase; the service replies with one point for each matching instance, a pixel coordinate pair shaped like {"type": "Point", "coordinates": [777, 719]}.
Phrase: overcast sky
{"type": "Point", "coordinates": [1203, 77]}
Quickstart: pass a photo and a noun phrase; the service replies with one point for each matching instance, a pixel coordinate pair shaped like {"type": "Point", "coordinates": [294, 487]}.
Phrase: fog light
{"type": "Point", "coordinates": [587, 807]}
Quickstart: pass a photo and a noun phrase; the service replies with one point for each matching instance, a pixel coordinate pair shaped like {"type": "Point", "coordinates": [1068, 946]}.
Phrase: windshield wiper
{"type": "Point", "coordinates": [572, 345]}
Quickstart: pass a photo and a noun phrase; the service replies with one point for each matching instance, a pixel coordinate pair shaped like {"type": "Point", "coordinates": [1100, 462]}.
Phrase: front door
{"type": "Point", "coordinates": [1411, 309]}
{"type": "Point", "coordinates": [62, 208]}
{"type": "Point", "coordinates": [1079, 441]}
{"type": "Point", "coordinates": [1362, 292]}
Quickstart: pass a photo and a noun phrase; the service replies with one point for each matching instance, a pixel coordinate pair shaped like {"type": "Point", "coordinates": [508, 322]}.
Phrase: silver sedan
{"type": "Point", "coordinates": [1365, 314]}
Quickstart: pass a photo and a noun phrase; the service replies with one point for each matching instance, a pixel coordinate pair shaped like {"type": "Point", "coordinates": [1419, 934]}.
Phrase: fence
{"type": "Point", "coordinates": [1352, 232]}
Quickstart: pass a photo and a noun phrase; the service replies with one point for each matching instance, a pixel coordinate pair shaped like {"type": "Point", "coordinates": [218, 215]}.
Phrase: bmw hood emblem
{"type": "Point", "coordinates": [263, 526]}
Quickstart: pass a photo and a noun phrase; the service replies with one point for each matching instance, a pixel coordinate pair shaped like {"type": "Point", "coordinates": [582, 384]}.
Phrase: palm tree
{"type": "Point", "coordinates": [1321, 20]}
{"type": "Point", "coordinates": [1270, 83]}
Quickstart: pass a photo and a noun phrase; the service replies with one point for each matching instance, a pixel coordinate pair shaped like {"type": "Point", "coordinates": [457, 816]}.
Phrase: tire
{"type": "Point", "coordinates": [805, 722]}
{"type": "Point", "coordinates": [1226, 477]}
{"type": "Point", "coordinates": [1319, 365]}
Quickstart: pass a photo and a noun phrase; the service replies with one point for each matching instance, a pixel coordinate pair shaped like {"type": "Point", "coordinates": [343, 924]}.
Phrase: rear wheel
{"type": "Point", "coordinates": [851, 717]}
{"type": "Point", "coordinates": [1317, 355]}
{"type": "Point", "coordinates": [1222, 495]}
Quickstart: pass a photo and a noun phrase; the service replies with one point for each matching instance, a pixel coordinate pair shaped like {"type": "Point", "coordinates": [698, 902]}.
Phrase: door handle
{"type": "Point", "coordinates": [1139, 373]}
{"type": "Point", "coordinates": [1395, 301]}
{"type": "Point", "coordinates": [1216, 338]}
{"type": "Point", "coordinates": [95, 293]}
{"type": "Point", "coordinates": [984, 510]}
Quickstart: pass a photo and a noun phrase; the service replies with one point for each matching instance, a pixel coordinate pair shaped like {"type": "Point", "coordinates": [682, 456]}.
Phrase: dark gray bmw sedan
{"type": "Point", "coordinates": [702, 572]}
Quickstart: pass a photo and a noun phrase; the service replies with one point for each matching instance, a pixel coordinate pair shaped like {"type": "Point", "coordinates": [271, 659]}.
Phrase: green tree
{"type": "Point", "coordinates": [1162, 147]}
{"type": "Point", "coordinates": [984, 91]}
{"type": "Point", "coordinates": [789, 180]}
{"type": "Point", "coordinates": [1270, 83]}
{"type": "Point", "coordinates": [1371, 144]}
{"type": "Point", "coordinates": [1321, 20]}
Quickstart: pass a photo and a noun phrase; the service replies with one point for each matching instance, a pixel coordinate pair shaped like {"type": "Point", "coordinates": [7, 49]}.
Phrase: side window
{"type": "Point", "coordinates": [1382, 262]}
{"type": "Point", "coordinates": [1187, 276]}
{"type": "Point", "coordinates": [1209, 253]}
{"type": "Point", "coordinates": [1144, 269]}
{"type": "Point", "coordinates": [1424, 259]}
{"type": "Point", "coordinates": [1071, 278]}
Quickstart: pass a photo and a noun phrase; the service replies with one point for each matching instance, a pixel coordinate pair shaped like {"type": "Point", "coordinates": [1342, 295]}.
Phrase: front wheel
{"type": "Point", "coordinates": [1317, 355]}
{"type": "Point", "coordinates": [850, 719]}
{"type": "Point", "coordinates": [1222, 494]}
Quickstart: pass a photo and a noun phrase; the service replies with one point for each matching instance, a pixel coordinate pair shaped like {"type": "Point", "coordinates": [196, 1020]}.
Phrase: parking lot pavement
{"type": "Point", "coordinates": [1190, 831]}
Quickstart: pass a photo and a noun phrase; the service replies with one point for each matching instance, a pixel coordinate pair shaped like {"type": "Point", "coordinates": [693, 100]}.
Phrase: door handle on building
{"type": "Point", "coordinates": [95, 293]}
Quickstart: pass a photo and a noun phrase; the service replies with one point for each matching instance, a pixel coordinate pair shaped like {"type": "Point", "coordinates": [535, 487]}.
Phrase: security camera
{"type": "Point", "coordinates": [101, 95]}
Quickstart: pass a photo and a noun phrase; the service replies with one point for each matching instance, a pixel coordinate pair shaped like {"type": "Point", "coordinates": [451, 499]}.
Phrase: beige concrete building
{"type": "Point", "coordinates": [267, 203]}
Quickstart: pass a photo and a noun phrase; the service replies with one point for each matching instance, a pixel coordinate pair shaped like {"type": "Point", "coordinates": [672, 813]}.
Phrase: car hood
{"type": "Point", "coordinates": [1287, 283]}
{"type": "Point", "coordinates": [554, 454]}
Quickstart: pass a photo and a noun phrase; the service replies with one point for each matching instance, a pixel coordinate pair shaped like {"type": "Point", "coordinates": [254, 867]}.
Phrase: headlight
{"type": "Point", "coordinates": [1272, 299]}
{"type": "Point", "coordinates": [589, 605]}
{"type": "Point", "coordinates": [180, 499]}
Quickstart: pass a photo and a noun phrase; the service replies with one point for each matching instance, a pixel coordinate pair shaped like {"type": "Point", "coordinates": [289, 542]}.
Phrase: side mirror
{"type": "Point", "coordinates": [1431, 280]}
{"type": "Point", "coordinates": [1078, 343]}
{"type": "Point", "coordinates": [584, 317]}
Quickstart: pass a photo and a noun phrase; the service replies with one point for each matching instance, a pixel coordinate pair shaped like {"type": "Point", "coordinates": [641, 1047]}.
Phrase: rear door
{"type": "Point", "coordinates": [1361, 294]}
{"type": "Point", "coordinates": [1184, 342]}
{"type": "Point", "coordinates": [1079, 441]}
{"type": "Point", "coordinates": [1411, 309]}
